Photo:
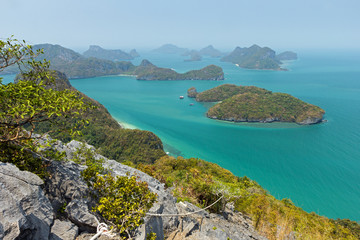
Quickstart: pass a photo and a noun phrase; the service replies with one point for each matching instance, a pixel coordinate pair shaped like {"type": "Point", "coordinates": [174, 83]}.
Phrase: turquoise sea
{"type": "Point", "coordinates": [317, 167]}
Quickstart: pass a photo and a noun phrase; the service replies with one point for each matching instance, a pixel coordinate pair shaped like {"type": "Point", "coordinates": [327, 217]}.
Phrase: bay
{"type": "Point", "coordinates": [316, 166]}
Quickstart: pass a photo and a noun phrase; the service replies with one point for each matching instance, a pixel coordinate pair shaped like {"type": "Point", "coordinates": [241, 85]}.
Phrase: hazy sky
{"type": "Point", "coordinates": [280, 24]}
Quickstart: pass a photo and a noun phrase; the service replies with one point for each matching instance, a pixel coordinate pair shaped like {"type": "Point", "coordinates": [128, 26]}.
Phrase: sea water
{"type": "Point", "coordinates": [317, 166]}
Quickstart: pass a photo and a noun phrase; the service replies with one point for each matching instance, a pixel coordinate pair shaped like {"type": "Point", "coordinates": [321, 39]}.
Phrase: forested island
{"type": "Point", "coordinates": [148, 71]}
{"type": "Point", "coordinates": [253, 104]}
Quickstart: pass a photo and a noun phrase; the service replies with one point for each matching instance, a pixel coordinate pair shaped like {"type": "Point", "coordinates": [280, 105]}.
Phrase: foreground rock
{"type": "Point", "coordinates": [60, 207]}
{"type": "Point", "coordinates": [25, 212]}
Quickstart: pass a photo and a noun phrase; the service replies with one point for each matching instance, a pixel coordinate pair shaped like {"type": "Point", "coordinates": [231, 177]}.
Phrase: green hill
{"type": "Point", "coordinates": [124, 145]}
{"type": "Point", "coordinates": [253, 104]}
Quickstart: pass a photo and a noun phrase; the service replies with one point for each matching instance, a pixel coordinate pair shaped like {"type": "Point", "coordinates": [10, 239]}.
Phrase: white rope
{"type": "Point", "coordinates": [183, 214]}
{"type": "Point", "coordinates": [102, 228]}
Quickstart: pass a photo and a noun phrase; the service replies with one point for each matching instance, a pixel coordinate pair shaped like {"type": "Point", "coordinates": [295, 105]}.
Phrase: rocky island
{"type": "Point", "coordinates": [256, 57]}
{"type": "Point", "coordinates": [148, 71]}
{"type": "Point", "coordinates": [253, 104]}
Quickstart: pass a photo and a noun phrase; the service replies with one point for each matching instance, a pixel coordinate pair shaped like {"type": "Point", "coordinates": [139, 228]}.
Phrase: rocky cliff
{"type": "Point", "coordinates": [59, 207]}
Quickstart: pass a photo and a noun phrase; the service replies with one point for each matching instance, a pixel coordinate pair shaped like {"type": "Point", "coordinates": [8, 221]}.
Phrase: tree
{"type": "Point", "coordinates": [31, 100]}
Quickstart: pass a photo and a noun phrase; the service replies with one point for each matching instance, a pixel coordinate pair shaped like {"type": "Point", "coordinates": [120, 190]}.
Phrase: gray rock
{"type": "Point", "coordinates": [79, 212]}
{"type": "Point", "coordinates": [213, 226]}
{"type": "Point", "coordinates": [63, 230]}
{"type": "Point", "coordinates": [25, 212]}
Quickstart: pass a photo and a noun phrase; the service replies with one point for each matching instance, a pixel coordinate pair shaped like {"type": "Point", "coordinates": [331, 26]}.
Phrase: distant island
{"type": "Point", "coordinates": [211, 52]}
{"type": "Point", "coordinates": [253, 104]}
{"type": "Point", "coordinates": [194, 56]}
{"type": "Point", "coordinates": [148, 71]}
{"type": "Point", "coordinates": [74, 65]}
{"type": "Point", "coordinates": [288, 55]}
{"type": "Point", "coordinates": [170, 49]}
{"type": "Point", "coordinates": [113, 55]}
{"type": "Point", "coordinates": [256, 57]}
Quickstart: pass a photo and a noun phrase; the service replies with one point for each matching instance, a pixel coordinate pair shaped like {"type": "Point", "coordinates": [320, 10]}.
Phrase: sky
{"type": "Point", "coordinates": [127, 24]}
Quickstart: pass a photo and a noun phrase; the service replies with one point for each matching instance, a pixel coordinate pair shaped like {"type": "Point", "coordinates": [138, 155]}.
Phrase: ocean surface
{"type": "Point", "coordinates": [317, 166]}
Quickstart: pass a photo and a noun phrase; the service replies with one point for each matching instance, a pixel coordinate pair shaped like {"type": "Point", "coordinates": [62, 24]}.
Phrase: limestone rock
{"type": "Point", "coordinates": [25, 212]}
{"type": "Point", "coordinates": [206, 226]}
{"type": "Point", "coordinates": [63, 230]}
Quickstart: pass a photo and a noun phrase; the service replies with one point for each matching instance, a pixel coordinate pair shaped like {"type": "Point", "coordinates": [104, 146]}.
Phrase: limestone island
{"type": "Point", "coordinates": [255, 57]}
{"type": "Point", "coordinates": [148, 71]}
{"type": "Point", "coordinates": [253, 104]}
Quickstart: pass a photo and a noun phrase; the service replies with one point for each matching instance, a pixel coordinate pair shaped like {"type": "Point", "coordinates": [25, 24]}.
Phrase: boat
{"type": "Point", "coordinates": [181, 97]}
{"type": "Point", "coordinates": [191, 104]}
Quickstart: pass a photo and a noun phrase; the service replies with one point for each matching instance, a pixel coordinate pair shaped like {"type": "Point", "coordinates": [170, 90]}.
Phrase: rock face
{"type": "Point", "coordinates": [25, 212]}
{"type": "Point", "coordinates": [63, 230]}
{"type": "Point", "coordinates": [202, 225]}
{"type": "Point", "coordinates": [63, 209]}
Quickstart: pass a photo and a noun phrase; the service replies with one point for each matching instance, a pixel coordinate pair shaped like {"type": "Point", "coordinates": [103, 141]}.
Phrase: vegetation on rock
{"type": "Point", "coordinates": [201, 183]}
{"type": "Point", "coordinates": [123, 201]}
{"type": "Point", "coordinates": [25, 104]}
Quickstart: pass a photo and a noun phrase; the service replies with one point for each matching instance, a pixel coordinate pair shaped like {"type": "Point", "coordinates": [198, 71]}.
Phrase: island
{"type": "Point", "coordinates": [253, 104]}
{"type": "Point", "coordinates": [170, 49]}
{"type": "Point", "coordinates": [113, 55]}
{"type": "Point", "coordinates": [191, 92]}
{"type": "Point", "coordinates": [255, 57]}
{"type": "Point", "coordinates": [148, 71]}
{"type": "Point", "coordinates": [194, 56]}
{"type": "Point", "coordinates": [288, 55]}
{"type": "Point", "coordinates": [210, 51]}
